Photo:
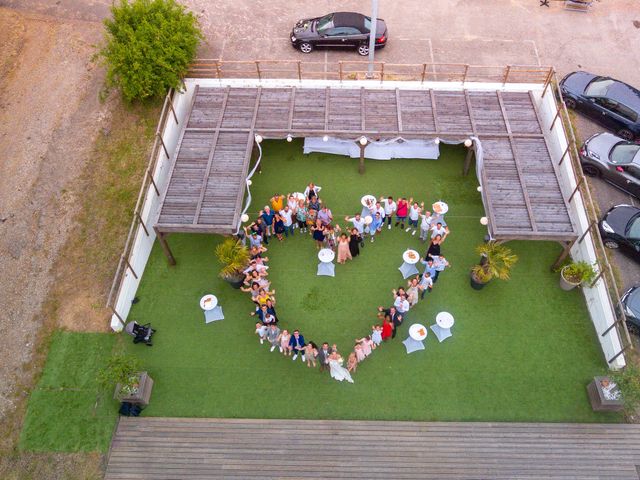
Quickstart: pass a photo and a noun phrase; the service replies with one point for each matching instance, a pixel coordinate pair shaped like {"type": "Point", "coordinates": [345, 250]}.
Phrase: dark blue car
{"type": "Point", "coordinates": [613, 104]}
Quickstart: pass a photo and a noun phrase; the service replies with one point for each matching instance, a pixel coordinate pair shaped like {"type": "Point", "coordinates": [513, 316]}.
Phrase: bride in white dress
{"type": "Point", "coordinates": [336, 369]}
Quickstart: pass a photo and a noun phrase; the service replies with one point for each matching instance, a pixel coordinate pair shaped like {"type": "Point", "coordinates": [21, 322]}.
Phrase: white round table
{"type": "Point", "coordinates": [418, 332]}
{"type": "Point", "coordinates": [326, 255]}
{"type": "Point", "coordinates": [411, 257]}
{"type": "Point", "coordinates": [408, 267]}
{"type": "Point", "coordinates": [440, 208]}
{"type": "Point", "coordinates": [208, 302]}
{"type": "Point", "coordinates": [445, 320]}
{"type": "Point", "coordinates": [368, 201]}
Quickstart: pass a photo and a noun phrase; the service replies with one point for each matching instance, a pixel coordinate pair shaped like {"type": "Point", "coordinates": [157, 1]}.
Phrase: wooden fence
{"type": "Point", "coordinates": [357, 70]}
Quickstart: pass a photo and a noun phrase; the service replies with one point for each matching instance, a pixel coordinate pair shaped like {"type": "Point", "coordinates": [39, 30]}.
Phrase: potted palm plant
{"type": "Point", "coordinates": [576, 273]}
{"type": "Point", "coordinates": [132, 384]}
{"type": "Point", "coordinates": [234, 257]}
{"type": "Point", "coordinates": [496, 261]}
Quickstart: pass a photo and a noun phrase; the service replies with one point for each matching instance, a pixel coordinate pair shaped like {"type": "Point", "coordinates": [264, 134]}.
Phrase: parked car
{"type": "Point", "coordinates": [614, 159]}
{"type": "Point", "coordinates": [620, 227]}
{"type": "Point", "coordinates": [612, 103]}
{"type": "Point", "coordinates": [340, 29]}
{"type": "Point", "coordinates": [631, 303]}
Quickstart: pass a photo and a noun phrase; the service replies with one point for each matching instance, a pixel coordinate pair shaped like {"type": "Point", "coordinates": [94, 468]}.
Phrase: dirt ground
{"type": "Point", "coordinates": [50, 113]}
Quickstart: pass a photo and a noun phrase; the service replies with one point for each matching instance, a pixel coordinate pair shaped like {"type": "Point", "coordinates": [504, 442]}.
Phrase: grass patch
{"type": "Point", "coordinates": [522, 350]}
{"type": "Point", "coordinates": [67, 411]}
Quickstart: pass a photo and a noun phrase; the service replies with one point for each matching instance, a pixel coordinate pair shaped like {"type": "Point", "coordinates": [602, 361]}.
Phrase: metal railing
{"type": "Point", "coordinates": [605, 272]}
{"type": "Point", "coordinates": [357, 70]}
{"type": "Point", "coordinates": [124, 263]}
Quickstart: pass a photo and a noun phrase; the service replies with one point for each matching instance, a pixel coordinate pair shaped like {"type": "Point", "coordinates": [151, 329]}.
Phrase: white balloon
{"type": "Point", "coordinates": [258, 138]}
{"type": "Point", "coordinates": [289, 138]}
{"type": "Point", "coordinates": [249, 182]}
{"type": "Point", "coordinates": [244, 218]}
{"type": "Point", "coordinates": [479, 188]}
{"type": "Point", "coordinates": [363, 140]}
{"type": "Point", "coordinates": [468, 142]}
{"type": "Point", "coordinates": [484, 221]}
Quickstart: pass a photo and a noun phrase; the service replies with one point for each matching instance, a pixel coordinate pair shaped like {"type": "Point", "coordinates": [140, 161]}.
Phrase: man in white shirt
{"type": "Point", "coordinates": [358, 223]}
{"type": "Point", "coordinates": [389, 207]}
{"type": "Point", "coordinates": [438, 229]}
{"type": "Point", "coordinates": [425, 225]}
{"type": "Point", "coordinates": [414, 214]}
{"type": "Point", "coordinates": [287, 220]}
{"type": "Point", "coordinates": [402, 304]}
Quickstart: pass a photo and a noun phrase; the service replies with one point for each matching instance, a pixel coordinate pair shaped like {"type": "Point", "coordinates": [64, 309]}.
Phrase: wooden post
{"type": "Point", "coordinates": [424, 71]}
{"type": "Point", "coordinates": [165, 246]}
{"type": "Point", "coordinates": [117, 315]}
{"type": "Point", "coordinates": [381, 72]}
{"type": "Point", "coordinates": [611, 327]}
{"type": "Point", "coordinates": [547, 82]}
{"type": "Point", "coordinates": [340, 70]}
{"type": "Point", "coordinates": [565, 253]}
{"type": "Point", "coordinates": [618, 354]}
{"type": "Point", "coordinates": [467, 160]}
{"type": "Point", "coordinates": [144, 227]}
{"type": "Point", "coordinates": [506, 75]}
{"type": "Point", "coordinates": [597, 278]}
{"type": "Point", "coordinates": [575, 190]}
{"type": "Point", "coordinates": [258, 70]}
{"type": "Point", "coordinates": [166, 152]}
{"type": "Point", "coordinates": [175, 117]}
{"type": "Point", "coordinates": [153, 182]}
{"type": "Point", "coordinates": [554, 119]}
{"type": "Point", "coordinates": [361, 164]}
{"type": "Point", "coordinates": [126, 260]}
{"type": "Point", "coordinates": [586, 231]}
{"type": "Point", "coordinates": [566, 151]}
{"type": "Point", "coordinates": [299, 71]}
{"type": "Point", "coordinates": [464, 75]}
{"type": "Point", "coordinates": [218, 71]}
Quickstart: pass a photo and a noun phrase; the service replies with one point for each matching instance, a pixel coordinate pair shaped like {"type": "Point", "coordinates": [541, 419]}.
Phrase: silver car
{"type": "Point", "coordinates": [614, 159]}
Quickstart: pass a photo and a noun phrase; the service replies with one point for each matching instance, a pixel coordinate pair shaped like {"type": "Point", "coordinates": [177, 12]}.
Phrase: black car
{"type": "Point", "coordinates": [340, 29]}
{"type": "Point", "coordinates": [631, 303]}
{"type": "Point", "coordinates": [612, 103]}
{"type": "Point", "coordinates": [615, 160]}
{"type": "Point", "coordinates": [620, 227]}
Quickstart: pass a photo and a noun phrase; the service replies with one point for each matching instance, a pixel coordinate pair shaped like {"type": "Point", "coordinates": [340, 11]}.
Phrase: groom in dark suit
{"type": "Point", "coordinates": [323, 356]}
{"type": "Point", "coordinates": [297, 345]}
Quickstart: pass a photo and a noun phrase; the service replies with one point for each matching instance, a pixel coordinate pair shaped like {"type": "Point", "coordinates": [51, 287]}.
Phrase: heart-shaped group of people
{"type": "Point", "coordinates": [307, 213]}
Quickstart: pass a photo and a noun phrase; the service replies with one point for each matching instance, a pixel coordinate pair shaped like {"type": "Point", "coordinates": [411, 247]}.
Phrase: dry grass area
{"type": "Point", "coordinates": [71, 170]}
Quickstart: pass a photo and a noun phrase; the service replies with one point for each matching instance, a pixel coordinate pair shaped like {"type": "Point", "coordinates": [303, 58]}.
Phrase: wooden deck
{"type": "Point", "coordinates": [206, 185]}
{"type": "Point", "coordinates": [174, 448]}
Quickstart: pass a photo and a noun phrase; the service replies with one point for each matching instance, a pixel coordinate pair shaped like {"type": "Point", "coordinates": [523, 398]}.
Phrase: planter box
{"type": "Point", "coordinates": [142, 396]}
{"type": "Point", "coordinates": [598, 401]}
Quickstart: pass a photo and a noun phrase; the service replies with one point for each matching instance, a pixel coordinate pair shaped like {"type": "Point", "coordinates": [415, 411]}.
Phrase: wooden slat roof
{"type": "Point", "coordinates": [206, 185]}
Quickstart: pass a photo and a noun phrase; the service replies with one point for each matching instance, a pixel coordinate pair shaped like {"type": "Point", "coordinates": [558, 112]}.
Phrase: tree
{"type": "Point", "coordinates": [149, 46]}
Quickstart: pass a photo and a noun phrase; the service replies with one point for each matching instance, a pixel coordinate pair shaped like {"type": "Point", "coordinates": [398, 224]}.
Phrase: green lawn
{"type": "Point", "coordinates": [67, 411]}
{"type": "Point", "coordinates": [522, 350]}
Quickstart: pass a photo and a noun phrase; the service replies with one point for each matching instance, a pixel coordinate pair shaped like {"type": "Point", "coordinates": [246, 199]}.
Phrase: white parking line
{"type": "Point", "coordinates": [535, 50]}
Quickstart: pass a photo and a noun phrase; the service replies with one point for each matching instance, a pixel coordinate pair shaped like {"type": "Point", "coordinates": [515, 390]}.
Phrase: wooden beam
{"type": "Point", "coordinates": [566, 250]}
{"type": "Point", "coordinates": [144, 227]}
{"type": "Point", "coordinates": [504, 112]}
{"type": "Point", "coordinates": [434, 111]}
{"type": "Point", "coordinates": [523, 186]}
{"type": "Point", "coordinates": [575, 190]}
{"type": "Point", "coordinates": [126, 261]}
{"type": "Point", "coordinates": [399, 110]}
{"type": "Point", "coordinates": [212, 150]}
{"type": "Point", "coordinates": [292, 107]}
{"type": "Point", "coordinates": [165, 246]}
{"type": "Point", "coordinates": [470, 110]}
{"type": "Point", "coordinates": [247, 161]}
{"type": "Point", "coordinates": [467, 161]}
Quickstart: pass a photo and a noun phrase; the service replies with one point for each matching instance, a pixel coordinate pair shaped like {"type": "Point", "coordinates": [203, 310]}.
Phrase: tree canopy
{"type": "Point", "coordinates": [149, 45]}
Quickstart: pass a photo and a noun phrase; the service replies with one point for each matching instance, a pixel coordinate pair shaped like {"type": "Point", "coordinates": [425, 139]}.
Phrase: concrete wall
{"type": "Point", "coordinates": [597, 298]}
{"type": "Point", "coordinates": [142, 243]}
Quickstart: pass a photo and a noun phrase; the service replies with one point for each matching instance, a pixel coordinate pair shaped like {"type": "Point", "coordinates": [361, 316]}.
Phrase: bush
{"type": "Point", "coordinates": [149, 46]}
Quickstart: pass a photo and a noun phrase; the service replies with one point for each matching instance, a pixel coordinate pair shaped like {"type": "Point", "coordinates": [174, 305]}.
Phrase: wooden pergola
{"type": "Point", "coordinates": [206, 187]}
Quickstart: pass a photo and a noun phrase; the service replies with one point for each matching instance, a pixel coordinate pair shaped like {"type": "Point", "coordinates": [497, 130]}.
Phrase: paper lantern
{"type": "Point", "coordinates": [484, 221]}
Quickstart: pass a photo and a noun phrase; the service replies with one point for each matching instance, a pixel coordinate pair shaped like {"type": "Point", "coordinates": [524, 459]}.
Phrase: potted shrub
{"type": "Point", "coordinates": [576, 273]}
{"type": "Point", "coordinates": [131, 383]}
{"type": "Point", "coordinates": [628, 381]}
{"type": "Point", "coordinates": [234, 257]}
{"type": "Point", "coordinates": [496, 261]}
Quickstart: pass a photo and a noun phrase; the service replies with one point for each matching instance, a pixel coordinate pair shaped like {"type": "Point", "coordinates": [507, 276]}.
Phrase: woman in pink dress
{"type": "Point", "coordinates": [344, 253]}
